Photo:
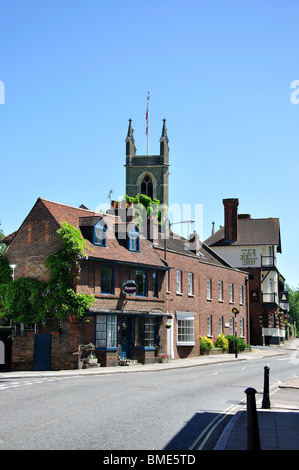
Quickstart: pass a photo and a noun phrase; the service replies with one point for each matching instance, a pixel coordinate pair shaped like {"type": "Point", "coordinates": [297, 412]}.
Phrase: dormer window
{"type": "Point", "coordinates": [100, 233]}
{"type": "Point", "coordinates": [134, 240]}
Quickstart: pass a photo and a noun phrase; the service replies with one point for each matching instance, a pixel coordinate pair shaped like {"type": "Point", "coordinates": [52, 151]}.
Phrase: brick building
{"type": "Point", "coordinates": [253, 245]}
{"type": "Point", "coordinates": [202, 289]}
{"type": "Point", "coordinates": [152, 294]}
{"type": "Point", "coordinates": [121, 325]}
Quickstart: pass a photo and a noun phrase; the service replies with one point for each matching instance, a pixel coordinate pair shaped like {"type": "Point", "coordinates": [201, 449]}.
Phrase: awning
{"type": "Point", "coordinates": [185, 315]}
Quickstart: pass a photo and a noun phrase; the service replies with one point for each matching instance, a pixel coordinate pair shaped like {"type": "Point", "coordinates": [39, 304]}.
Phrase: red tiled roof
{"type": "Point", "coordinates": [113, 251]}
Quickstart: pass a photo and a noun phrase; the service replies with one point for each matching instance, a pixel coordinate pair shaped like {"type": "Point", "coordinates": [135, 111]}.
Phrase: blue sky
{"type": "Point", "coordinates": [219, 71]}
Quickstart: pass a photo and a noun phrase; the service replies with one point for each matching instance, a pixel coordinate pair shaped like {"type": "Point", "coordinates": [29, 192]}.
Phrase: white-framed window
{"type": "Point", "coordinates": [241, 292]}
{"type": "Point", "coordinates": [242, 327]}
{"type": "Point", "coordinates": [231, 326]}
{"type": "Point", "coordinates": [220, 325]}
{"type": "Point", "coordinates": [209, 325]}
{"type": "Point", "coordinates": [185, 328]}
{"type": "Point", "coordinates": [179, 282]}
{"type": "Point", "coordinates": [190, 284]}
{"type": "Point", "coordinates": [231, 293]}
{"type": "Point", "coordinates": [220, 291]}
{"type": "Point", "coordinates": [209, 289]}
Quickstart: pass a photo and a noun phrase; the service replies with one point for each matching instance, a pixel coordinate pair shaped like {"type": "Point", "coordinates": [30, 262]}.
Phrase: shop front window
{"type": "Point", "coordinates": [145, 332]}
{"type": "Point", "coordinates": [106, 331]}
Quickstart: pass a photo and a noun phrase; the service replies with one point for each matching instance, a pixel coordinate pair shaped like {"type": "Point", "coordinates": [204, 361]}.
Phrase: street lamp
{"type": "Point", "coordinates": [187, 221]}
{"type": "Point", "coordinates": [235, 312]}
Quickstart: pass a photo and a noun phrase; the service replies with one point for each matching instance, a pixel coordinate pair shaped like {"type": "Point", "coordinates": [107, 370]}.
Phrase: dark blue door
{"type": "Point", "coordinates": [126, 346]}
{"type": "Point", "coordinates": [42, 352]}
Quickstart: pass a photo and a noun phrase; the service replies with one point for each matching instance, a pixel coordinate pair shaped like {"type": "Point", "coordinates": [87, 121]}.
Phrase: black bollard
{"type": "Point", "coordinates": [266, 397]}
{"type": "Point", "coordinates": [253, 436]}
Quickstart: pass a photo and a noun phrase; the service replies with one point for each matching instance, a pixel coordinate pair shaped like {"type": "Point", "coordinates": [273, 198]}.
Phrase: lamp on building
{"type": "Point", "coordinates": [13, 267]}
{"type": "Point", "coordinates": [235, 312]}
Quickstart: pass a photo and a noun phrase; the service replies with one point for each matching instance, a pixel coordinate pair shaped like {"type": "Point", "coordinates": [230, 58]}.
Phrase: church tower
{"type": "Point", "coordinates": [147, 174]}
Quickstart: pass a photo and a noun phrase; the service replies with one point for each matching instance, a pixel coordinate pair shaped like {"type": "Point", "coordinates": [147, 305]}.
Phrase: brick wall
{"type": "Point", "coordinates": [22, 352]}
{"type": "Point", "coordinates": [199, 303]}
{"type": "Point", "coordinates": [35, 240]}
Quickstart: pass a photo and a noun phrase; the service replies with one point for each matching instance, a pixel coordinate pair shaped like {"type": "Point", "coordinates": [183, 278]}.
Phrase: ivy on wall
{"type": "Point", "coordinates": [27, 300]}
{"type": "Point", "coordinates": [146, 207]}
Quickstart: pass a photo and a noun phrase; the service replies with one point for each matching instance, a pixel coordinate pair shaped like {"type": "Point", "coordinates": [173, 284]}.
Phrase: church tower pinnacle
{"type": "Point", "coordinates": [164, 148]}
{"type": "Point", "coordinates": [130, 142]}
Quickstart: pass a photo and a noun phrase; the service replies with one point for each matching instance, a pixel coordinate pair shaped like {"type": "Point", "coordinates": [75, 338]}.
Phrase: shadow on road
{"type": "Point", "coordinates": [200, 432]}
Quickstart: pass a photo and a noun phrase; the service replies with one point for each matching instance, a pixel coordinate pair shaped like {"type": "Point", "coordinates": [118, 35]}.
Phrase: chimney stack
{"type": "Point", "coordinates": [151, 229]}
{"type": "Point", "coordinates": [194, 242]}
{"type": "Point", "coordinates": [230, 220]}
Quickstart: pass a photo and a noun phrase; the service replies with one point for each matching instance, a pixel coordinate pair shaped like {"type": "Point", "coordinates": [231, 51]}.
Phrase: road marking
{"type": "Point", "coordinates": [213, 424]}
{"type": "Point", "coordinates": [23, 384]}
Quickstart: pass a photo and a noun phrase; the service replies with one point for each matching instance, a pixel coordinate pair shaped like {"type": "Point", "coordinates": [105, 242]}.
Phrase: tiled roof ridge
{"type": "Point", "coordinates": [71, 207]}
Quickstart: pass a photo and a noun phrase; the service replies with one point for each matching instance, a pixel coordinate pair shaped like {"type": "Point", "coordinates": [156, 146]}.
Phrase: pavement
{"type": "Point", "coordinates": [275, 427]}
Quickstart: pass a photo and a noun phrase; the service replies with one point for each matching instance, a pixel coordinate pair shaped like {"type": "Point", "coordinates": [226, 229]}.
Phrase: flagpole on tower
{"type": "Point", "coordinates": [147, 121]}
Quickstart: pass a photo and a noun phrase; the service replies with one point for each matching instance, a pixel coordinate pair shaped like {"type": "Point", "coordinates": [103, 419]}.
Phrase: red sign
{"type": "Point", "coordinates": [129, 287]}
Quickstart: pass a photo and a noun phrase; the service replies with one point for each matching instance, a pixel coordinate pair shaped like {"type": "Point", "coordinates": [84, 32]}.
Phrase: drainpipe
{"type": "Point", "coordinates": [247, 309]}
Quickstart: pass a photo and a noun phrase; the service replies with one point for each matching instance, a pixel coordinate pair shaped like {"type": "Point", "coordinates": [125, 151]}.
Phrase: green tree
{"type": "Point", "coordinates": [5, 270]}
{"type": "Point", "coordinates": [61, 299]}
{"type": "Point", "coordinates": [294, 303]}
{"type": "Point", "coordinates": [27, 300]}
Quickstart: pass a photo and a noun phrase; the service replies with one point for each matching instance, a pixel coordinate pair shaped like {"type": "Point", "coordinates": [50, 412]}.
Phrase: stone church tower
{"type": "Point", "coordinates": [147, 174]}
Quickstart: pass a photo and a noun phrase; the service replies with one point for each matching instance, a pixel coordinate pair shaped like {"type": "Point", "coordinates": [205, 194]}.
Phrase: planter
{"type": "Point", "coordinates": [92, 360]}
{"type": "Point", "coordinates": [205, 352]}
{"type": "Point", "coordinates": [216, 351]}
{"type": "Point", "coordinates": [163, 359]}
